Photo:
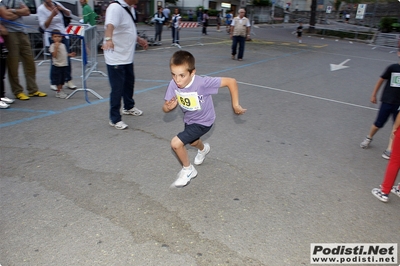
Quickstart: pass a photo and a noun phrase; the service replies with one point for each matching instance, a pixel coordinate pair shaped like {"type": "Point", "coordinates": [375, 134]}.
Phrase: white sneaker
{"type": "Point", "coordinates": [53, 87]}
{"type": "Point", "coordinates": [365, 143]}
{"type": "Point", "coordinates": [185, 175]}
{"type": "Point", "coordinates": [396, 190]}
{"type": "Point", "coordinates": [71, 85]}
{"type": "Point", "coordinates": [120, 125]}
{"type": "Point", "coordinates": [61, 95]}
{"type": "Point", "coordinates": [134, 111]}
{"type": "Point", "coordinates": [201, 155]}
{"type": "Point", "coordinates": [377, 192]}
{"type": "Point", "coordinates": [3, 105]}
{"type": "Point", "coordinates": [7, 100]}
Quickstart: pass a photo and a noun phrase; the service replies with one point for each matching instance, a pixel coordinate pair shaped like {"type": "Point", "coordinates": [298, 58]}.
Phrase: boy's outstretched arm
{"type": "Point", "coordinates": [170, 105]}
{"type": "Point", "coordinates": [233, 88]}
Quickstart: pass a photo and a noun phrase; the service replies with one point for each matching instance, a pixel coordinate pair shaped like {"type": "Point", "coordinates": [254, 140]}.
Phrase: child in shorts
{"type": "Point", "coordinates": [193, 94]}
{"type": "Point", "coordinates": [59, 65]}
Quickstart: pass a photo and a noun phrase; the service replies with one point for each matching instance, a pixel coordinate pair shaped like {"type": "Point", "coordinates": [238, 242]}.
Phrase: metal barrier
{"type": "Point", "coordinates": [83, 41]}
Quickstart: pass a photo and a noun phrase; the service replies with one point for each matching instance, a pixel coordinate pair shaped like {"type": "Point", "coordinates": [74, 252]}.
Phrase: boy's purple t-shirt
{"type": "Point", "coordinates": [198, 110]}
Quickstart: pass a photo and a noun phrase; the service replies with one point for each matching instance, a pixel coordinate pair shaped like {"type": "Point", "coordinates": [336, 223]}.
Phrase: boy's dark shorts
{"type": "Point", "coordinates": [192, 133]}
{"type": "Point", "coordinates": [58, 75]}
{"type": "Point", "coordinates": [384, 112]}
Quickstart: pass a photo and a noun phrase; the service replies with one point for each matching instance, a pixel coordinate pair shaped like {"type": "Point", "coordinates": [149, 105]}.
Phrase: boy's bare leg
{"type": "Point", "coordinates": [180, 151]}
{"type": "Point", "coordinates": [198, 144]}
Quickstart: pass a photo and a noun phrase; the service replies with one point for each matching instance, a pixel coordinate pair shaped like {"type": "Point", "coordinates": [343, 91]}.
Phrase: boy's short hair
{"type": "Point", "coordinates": [181, 57]}
{"type": "Point", "coordinates": [55, 32]}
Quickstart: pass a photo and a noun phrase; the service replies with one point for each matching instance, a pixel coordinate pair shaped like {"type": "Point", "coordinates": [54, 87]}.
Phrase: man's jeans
{"type": "Point", "coordinates": [122, 81]}
{"type": "Point", "coordinates": [241, 40]}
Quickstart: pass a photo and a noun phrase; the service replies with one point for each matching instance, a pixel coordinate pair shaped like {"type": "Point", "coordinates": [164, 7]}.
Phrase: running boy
{"type": "Point", "coordinates": [59, 66]}
{"type": "Point", "coordinates": [390, 103]}
{"type": "Point", "coordinates": [193, 94]}
{"type": "Point", "coordinates": [299, 31]}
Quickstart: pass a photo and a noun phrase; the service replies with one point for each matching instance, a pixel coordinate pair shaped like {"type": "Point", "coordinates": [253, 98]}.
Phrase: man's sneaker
{"type": "Point", "coordinates": [22, 96]}
{"type": "Point", "coordinates": [37, 94]}
{"type": "Point", "coordinates": [365, 143]}
{"type": "Point", "coordinates": [71, 85]}
{"type": "Point", "coordinates": [396, 190]}
{"type": "Point", "coordinates": [377, 192]}
{"type": "Point", "coordinates": [386, 154]}
{"type": "Point", "coordinates": [201, 155]}
{"type": "Point", "coordinates": [61, 95]}
{"type": "Point", "coordinates": [53, 88]}
{"type": "Point", "coordinates": [119, 125]}
{"type": "Point", "coordinates": [7, 100]}
{"type": "Point", "coordinates": [134, 111]}
{"type": "Point", "coordinates": [3, 105]}
{"type": "Point", "coordinates": [185, 175]}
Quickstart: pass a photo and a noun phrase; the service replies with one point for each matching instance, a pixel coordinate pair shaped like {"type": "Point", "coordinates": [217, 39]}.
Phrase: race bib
{"type": "Point", "coordinates": [188, 100]}
{"type": "Point", "coordinates": [395, 80]}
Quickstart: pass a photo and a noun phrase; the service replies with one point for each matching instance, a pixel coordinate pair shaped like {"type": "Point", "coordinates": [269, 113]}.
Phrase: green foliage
{"type": "Point", "coordinates": [261, 3]}
{"type": "Point", "coordinates": [212, 12]}
{"type": "Point", "coordinates": [386, 23]}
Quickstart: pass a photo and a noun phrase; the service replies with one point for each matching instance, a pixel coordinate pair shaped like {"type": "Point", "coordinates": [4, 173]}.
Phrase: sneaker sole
{"type": "Point", "coordinates": [186, 183]}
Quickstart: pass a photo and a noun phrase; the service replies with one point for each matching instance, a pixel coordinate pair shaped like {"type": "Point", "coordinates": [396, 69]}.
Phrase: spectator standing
{"type": "Point", "coordinates": [190, 15]}
{"type": "Point", "coordinates": [19, 49]}
{"type": "Point", "coordinates": [166, 13]}
{"type": "Point", "coordinates": [88, 15]}
{"type": "Point", "coordinates": [50, 18]}
{"type": "Point", "coordinates": [175, 26]}
{"type": "Point", "coordinates": [199, 15]}
{"type": "Point", "coordinates": [240, 31]}
{"type": "Point", "coordinates": [228, 21]}
{"type": "Point", "coordinates": [159, 20]}
{"type": "Point", "coordinates": [4, 101]}
{"type": "Point", "coordinates": [120, 38]}
{"type": "Point", "coordinates": [205, 21]}
{"type": "Point", "coordinates": [219, 19]}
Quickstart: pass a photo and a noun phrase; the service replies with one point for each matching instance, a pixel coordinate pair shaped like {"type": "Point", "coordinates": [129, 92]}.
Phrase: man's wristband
{"type": "Point", "coordinates": [14, 11]}
{"type": "Point", "coordinates": [108, 39]}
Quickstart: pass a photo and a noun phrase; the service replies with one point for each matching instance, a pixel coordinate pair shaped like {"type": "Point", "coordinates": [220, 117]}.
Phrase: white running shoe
{"type": "Point", "coordinates": [396, 190]}
{"type": "Point", "coordinates": [134, 111]}
{"type": "Point", "coordinates": [7, 100]}
{"type": "Point", "coordinates": [185, 175]}
{"type": "Point", "coordinates": [3, 105]}
{"type": "Point", "coordinates": [119, 125]}
{"type": "Point", "coordinates": [53, 88]}
{"type": "Point", "coordinates": [71, 85]}
{"type": "Point", "coordinates": [365, 143]}
{"type": "Point", "coordinates": [201, 155]}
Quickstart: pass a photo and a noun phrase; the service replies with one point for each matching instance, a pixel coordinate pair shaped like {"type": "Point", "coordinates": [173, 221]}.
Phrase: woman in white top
{"type": "Point", "coordinates": [50, 18]}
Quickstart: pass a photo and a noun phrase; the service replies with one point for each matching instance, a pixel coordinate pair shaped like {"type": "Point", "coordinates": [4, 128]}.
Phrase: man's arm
{"type": "Point", "coordinates": [22, 11]}
{"type": "Point", "coordinates": [7, 14]}
{"type": "Point", "coordinates": [233, 89]}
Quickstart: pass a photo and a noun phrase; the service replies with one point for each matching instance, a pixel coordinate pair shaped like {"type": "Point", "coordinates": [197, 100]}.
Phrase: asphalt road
{"type": "Point", "coordinates": [288, 173]}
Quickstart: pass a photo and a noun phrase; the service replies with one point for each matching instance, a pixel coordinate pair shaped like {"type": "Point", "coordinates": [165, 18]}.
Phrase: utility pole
{"type": "Point", "coordinates": [313, 15]}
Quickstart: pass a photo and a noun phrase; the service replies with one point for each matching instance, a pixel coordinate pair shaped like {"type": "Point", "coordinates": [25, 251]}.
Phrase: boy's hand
{"type": "Point", "coordinates": [171, 104]}
{"type": "Point", "coordinates": [239, 110]}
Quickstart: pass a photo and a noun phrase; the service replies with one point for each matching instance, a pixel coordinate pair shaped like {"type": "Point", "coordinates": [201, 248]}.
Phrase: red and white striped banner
{"type": "Point", "coordinates": [75, 30]}
{"type": "Point", "coordinates": [188, 24]}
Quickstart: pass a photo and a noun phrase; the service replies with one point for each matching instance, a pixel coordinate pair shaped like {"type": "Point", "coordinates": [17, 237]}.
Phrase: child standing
{"type": "Point", "coordinates": [193, 94]}
{"type": "Point", "coordinates": [59, 67]}
{"type": "Point", "coordinates": [390, 103]}
{"type": "Point", "coordinates": [299, 31]}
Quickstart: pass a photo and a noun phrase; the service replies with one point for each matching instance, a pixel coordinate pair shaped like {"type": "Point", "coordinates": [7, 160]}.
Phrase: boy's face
{"type": "Point", "coordinates": [181, 76]}
{"type": "Point", "coordinates": [56, 38]}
